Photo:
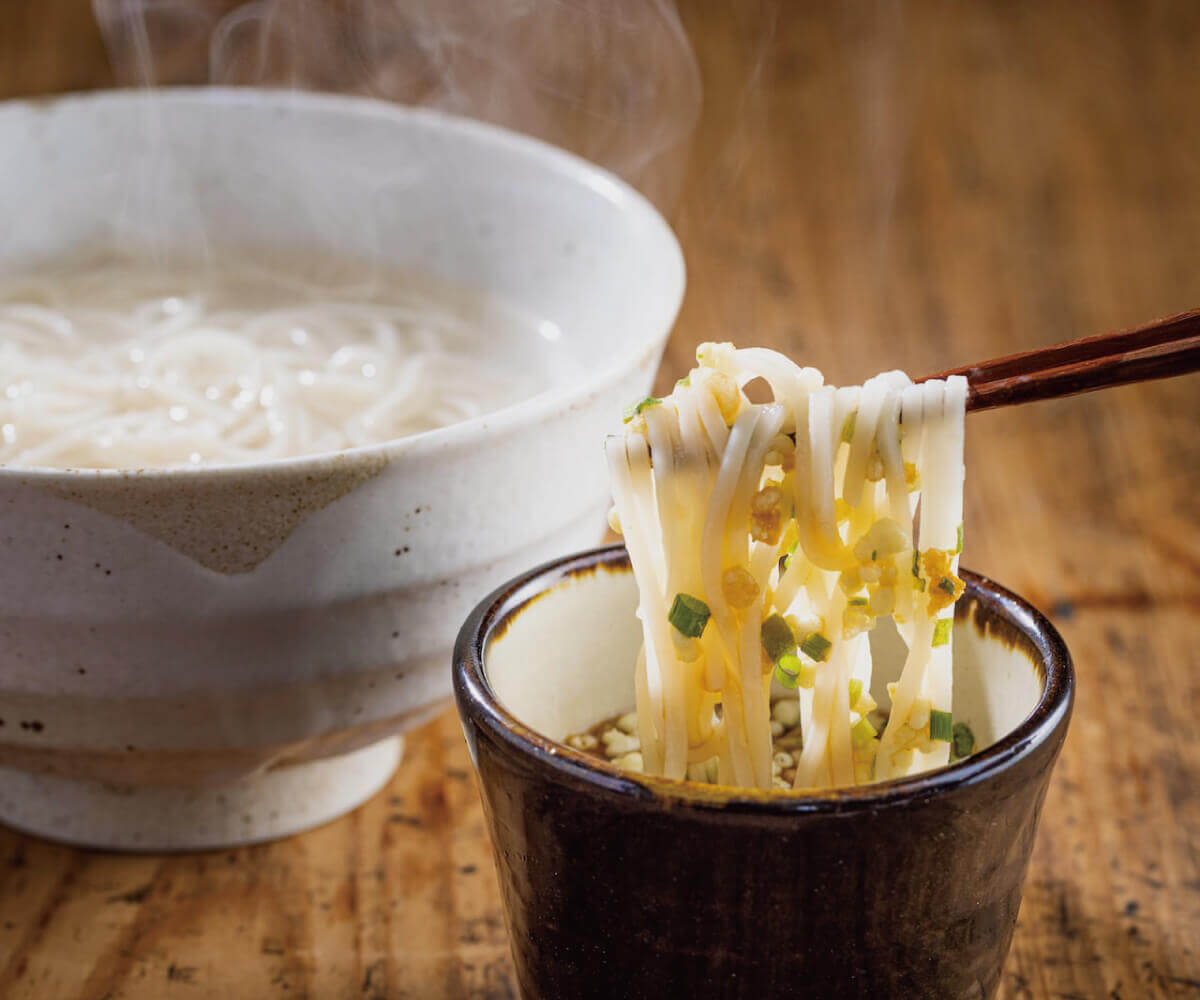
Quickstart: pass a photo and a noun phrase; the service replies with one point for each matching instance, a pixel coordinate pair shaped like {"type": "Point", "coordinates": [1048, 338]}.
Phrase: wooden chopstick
{"type": "Point", "coordinates": [1161, 349]}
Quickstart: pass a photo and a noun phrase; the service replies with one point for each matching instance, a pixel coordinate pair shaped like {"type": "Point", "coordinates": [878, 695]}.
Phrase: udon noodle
{"type": "Point", "coordinates": [123, 365]}
{"type": "Point", "coordinates": [767, 540]}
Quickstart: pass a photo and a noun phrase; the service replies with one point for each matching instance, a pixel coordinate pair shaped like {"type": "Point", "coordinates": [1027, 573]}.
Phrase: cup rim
{"type": "Point", "coordinates": [477, 701]}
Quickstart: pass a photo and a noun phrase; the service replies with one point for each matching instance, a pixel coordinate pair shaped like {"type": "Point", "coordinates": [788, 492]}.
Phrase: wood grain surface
{"type": "Point", "coordinates": [872, 185]}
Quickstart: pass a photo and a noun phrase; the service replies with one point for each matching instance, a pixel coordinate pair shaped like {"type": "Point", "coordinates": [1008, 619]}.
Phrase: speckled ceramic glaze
{"type": "Point", "coordinates": [206, 657]}
{"type": "Point", "coordinates": [633, 887]}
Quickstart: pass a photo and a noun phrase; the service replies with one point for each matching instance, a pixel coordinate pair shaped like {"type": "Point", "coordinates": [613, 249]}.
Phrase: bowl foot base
{"type": "Point", "coordinates": [266, 806]}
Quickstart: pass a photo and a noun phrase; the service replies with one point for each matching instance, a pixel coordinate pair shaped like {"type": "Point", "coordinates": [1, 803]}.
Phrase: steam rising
{"type": "Point", "coordinates": [612, 80]}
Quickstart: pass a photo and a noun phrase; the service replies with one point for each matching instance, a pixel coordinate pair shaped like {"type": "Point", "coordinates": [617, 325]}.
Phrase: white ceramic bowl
{"type": "Point", "coordinates": [202, 657]}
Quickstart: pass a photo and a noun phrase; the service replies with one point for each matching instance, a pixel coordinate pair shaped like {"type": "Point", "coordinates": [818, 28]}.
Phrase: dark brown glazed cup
{"type": "Point", "coordinates": [623, 886]}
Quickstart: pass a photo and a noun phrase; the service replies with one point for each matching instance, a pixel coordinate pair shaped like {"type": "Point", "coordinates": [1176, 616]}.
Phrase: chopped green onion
{"type": "Point", "coordinates": [787, 556]}
{"type": "Point", "coordinates": [958, 548]}
{"type": "Point", "coordinates": [684, 382]}
{"type": "Point", "coordinates": [799, 673]}
{"type": "Point", "coordinates": [962, 741]}
{"type": "Point", "coordinates": [946, 584]}
{"type": "Point", "coordinates": [791, 663]}
{"type": "Point", "coordinates": [857, 602]}
{"type": "Point", "coordinates": [788, 670]}
{"type": "Point", "coordinates": [856, 687]}
{"type": "Point", "coordinates": [941, 726]}
{"type": "Point", "coordinates": [848, 427]}
{"type": "Point", "coordinates": [941, 631]}
{"type": "Point", "coordinates": [689, 615]}
{"type": "Point", "coordinates": [862, 732]}
{"type": "Point", "coordinates": [633, 409]}
{"type": "Point", "coordinates": [816, 647]}
{"type": "Point", "coordinates": [916, 568]}
{"type": "Point", "coordinates": [777, 637]}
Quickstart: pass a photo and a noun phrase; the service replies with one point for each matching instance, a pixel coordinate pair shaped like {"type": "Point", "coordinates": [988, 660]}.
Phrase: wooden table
{"type": "Point", "coordinates": [872, 185]}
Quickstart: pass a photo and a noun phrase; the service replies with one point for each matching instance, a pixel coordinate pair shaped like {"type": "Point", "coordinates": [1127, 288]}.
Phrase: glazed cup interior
{"type": "Point", "coordinates": [560, 659]}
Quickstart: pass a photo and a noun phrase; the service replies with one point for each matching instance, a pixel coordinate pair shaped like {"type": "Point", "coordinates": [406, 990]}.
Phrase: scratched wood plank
{"type": "Point", "coordinates": [873, 184]}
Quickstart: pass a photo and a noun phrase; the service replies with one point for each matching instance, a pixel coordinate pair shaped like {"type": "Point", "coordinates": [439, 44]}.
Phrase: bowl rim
{"type": "Point", "coordinates": [473, 432]}
{"type": "Point", "coordinates": [478, 702]}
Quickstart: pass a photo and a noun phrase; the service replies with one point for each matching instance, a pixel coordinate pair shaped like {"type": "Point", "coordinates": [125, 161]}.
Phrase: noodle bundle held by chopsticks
{"type": "Point", "coordinates": [766, 541]}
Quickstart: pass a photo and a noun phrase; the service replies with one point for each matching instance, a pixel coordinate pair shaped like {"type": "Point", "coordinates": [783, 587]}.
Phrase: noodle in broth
{"type": "Point", "coordinates": [120, 364]}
